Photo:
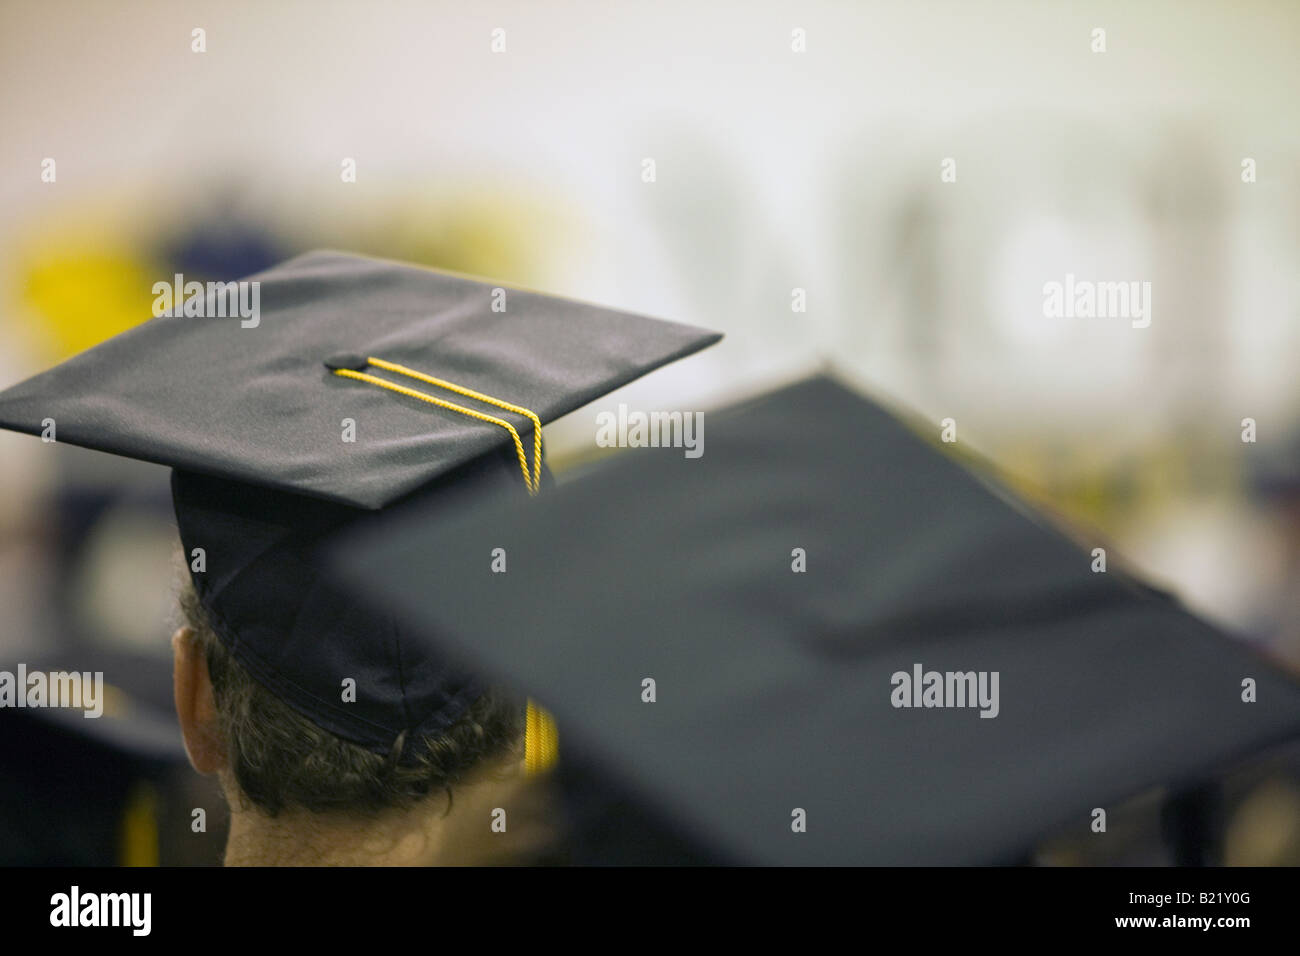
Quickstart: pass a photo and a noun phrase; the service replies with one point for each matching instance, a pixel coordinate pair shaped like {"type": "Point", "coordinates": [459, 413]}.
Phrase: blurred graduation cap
{"type": "Point", "coordinates": [823, 602]}
{"type": "Point", "coordinates": [309, 397]}
{"type": "Point", "coordinates": [79, 789]}
{"type": "Point", "coordinates": [1273, 472]}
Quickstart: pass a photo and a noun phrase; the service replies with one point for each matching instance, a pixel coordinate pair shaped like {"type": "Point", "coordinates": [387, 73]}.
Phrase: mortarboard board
{"type": "Point", "coordinates": [784, 695]}
{"type": "Point", "coordinates": [324, 389]}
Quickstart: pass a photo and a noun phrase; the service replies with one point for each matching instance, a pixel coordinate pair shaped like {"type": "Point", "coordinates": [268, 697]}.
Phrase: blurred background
{"type": "Point", "coordinates": [774, 170]}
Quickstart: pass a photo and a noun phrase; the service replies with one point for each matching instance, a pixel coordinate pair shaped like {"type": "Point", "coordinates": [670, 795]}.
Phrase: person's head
{"type": "Point", "coordinates": [280, 770]}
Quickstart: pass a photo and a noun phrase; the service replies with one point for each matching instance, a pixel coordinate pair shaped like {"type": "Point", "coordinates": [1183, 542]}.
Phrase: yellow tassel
{"type": "Point", "coordinates": [541, 740]}
{"type": "Point", "coordinates": [138, 834]}
{"type": "Point", "coordinates": [531, 479]}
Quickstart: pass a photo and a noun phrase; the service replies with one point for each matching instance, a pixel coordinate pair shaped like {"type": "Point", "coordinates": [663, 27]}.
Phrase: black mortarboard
{"type": "Point", "coordinates": [90, 781]}
{"type": "Point", "coordinates": [321, 390]}
{"type": "Point", "coordinates": [783, 694]}
{"type": "Point", "coordinates": [130, 700]}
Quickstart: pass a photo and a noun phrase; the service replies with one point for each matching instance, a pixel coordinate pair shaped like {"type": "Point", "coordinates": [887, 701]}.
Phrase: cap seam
{"type": "Point", "coordinates": [268, 674]}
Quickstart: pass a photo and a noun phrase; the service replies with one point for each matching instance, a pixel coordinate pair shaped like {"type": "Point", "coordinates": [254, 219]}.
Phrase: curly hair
{"type": "Point", "coordinates": [281, 760]}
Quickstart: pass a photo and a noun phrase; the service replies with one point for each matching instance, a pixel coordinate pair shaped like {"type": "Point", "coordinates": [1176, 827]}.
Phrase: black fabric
{"type": "Point", "coordinates": [774, 687]}
{"type": "Point", "coordinates": [258, 405]}
{"type": "Point", "coordinates": [138, 718]}
{"type": "Point", "coordinates": [296, 633]}
{"type": "Point", "coordinates": [251, 420]}
{"type": "Point", "coordinates": [267, 597]}
{"type": "Point", "coordinates": [68, 778]}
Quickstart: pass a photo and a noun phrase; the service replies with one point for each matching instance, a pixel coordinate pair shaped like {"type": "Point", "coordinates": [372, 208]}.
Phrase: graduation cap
{"type": "Point", "coordinates": [824, 642]}
{"type": "Point", "coordinates": [87, 781]}
{"type": "Point", "coordinates": [310, 396]}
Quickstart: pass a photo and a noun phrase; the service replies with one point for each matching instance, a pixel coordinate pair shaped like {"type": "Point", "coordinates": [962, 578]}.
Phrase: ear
{"type": "Point", "coordinates": [195, 706]}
